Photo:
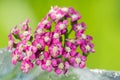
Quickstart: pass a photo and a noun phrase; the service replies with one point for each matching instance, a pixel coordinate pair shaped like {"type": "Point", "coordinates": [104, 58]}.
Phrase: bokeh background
{"type": "Point", "coordinates": [101, 16]}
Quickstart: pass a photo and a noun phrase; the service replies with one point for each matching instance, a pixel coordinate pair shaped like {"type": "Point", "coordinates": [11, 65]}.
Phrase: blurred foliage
{"type": "Point", "coordinates": [101, 16]}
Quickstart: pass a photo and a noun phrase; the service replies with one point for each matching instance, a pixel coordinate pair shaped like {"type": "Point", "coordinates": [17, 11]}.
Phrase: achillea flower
{"type": "Point", "coordinates": [62, 67]}
{"type": "Point", "coordinates": [62, 26]}
{"type": "Point", "coordinates": [21, 46]}
{"type": "Point", "coordinates": [50, 46]}
{"type": "Point", "coordinates": [79, 28]}
{"type": "Point", "coordinates": [39, 32]}
{"type": "Point", "coordinates": [74, 14]}
{"type": "Point", "coordinates": [45, 23]}
{"type": "Point", "coordinates": [15, 30]}
{"type": "Point", "coordinates": [54, 62]}
{"type": "Point", "coordinates": [26, 65]}
{"type": "Point", "coordinates": [75, 17]}
{"type": "Point", "coordinates": [70, 49]}
{"type": "Point", "coordinates": [47, 65]}
{"type": "Point", "coordinates": [25, 35]}
{"type": "Point", "coordinates": [56, 36]}
{"type": "Point", "coordinates": [56, 49]}
{"type": "Point", "coordinates": [16, 56]}
{"type": "Point", "coordinates": [87, 47]}
{"type": "Point", "coordinates": [24, 25]}
{"type": "Point", "coordinates": [47, 38]}
{"type": "Point", "coordinates": [39, 43]}
{"type": "Point", "coordinates": [10, 42]}
{"type": "Point", "coordinates": [56, 13]}
{"type": "Point", "coordinates": [78, 60]}
{"type": "Point", "coordinates": [30, 51]}
{"type": "Point", "coordinates": [40, 58]}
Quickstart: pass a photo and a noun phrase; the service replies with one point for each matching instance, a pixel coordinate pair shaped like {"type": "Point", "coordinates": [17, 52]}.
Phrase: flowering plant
{"type": "Point", "coordinates": [50, 46]}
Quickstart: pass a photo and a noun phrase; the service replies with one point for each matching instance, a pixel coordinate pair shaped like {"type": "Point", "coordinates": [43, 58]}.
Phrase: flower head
{"type": "Point", "coordinates": [51, 46]}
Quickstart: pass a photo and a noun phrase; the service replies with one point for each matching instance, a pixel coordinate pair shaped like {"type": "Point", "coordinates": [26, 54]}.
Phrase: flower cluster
{"type": "Point", "coordinates": [50, 46]}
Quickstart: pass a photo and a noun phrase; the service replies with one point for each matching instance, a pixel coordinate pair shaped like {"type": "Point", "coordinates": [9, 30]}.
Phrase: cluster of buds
{"type": "Point", "coordinates": [50, 46]}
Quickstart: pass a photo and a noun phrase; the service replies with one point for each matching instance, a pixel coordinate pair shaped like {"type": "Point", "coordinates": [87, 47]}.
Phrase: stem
{"type": "Point", "coordinates": [50, 29]}
{"type": "Point", "coordinates": [85, 54]}
{"type": "Point", "coordinates": [64, 39]}
{"type": "Point", "coordinates": [16, 36]}
{"type": "Point", "coordinates": [69, 32]}
{"type": "Point", "coordinates": [31, 39]}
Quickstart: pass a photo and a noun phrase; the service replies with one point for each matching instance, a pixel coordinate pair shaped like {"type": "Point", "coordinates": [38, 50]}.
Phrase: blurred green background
{"type": "Point", "coordinates": [101, 16]}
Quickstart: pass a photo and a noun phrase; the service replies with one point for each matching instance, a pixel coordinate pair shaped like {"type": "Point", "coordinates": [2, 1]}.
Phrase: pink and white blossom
{"type": "Point", "coordinates": [26, 65]}
{"type": "Point", "coordinates": [51, 46]}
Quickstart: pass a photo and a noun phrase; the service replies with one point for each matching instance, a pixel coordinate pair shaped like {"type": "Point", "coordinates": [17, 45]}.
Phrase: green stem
{"type": "Point", "coordinates": [85, 54]}
{"type": "Point", "coordinates": [69, 32]}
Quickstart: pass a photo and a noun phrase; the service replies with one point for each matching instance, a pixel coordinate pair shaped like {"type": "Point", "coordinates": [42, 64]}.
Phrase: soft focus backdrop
{"type": "Point", "coordinates": [101, 16]}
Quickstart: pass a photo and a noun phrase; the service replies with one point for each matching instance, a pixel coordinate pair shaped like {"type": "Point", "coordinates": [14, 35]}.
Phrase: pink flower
{"type": "Point", "coordinates": [82, 38]}
{"type": "Point", "coordinates": [56, 36]}
{"type": "Point", "coordinates": [62, 26]}
{"type": "Point", "coordinates": [30, 51]}
{"type": "Point", "coordinates": [20, 46]}
{"type": "Point", "coordinates": [57, 14]}
{"type": "Point", "coordinates": [24, 25]}
{"type": "Point", "coordinates": [47, 38]}
{"type": "Point", "coordinates": [85, 44]}
{"type": "Point", "coordinates": [26, 65]}
{"type": "Point", "coordinates": [64, 11]}
{"type": "Point", "coordinates": [56, 49]}
{"type": "Point", "coordinates": [62, 67]}
{"type": "Point", "coordinates": [53, 14]}
{"type": "Point", "coordinates": [45, 61]}
{"type": "Point", "coordinates": [10, 42]}
{"type": "Point", "coordinates": [39, 43]}
{"type": "Point", "coordinates": [87, 47]}
{"type": "Point", "coordinates": [16, 56]}
{"type": "Point", "coordinates": [70, 49]}
{"type": "Point", "coordinates": [71, 10]}
{"type": "Point", "coordinates": [47, 65]}
{"type": "Point", "coordinates": [54, 62]}
{"type": "Point", "coordinates": [51, 48]}
{"type": "Point", "coordinates": [39, 32]}
{"type": "Point", "coordinates": [15, 30]}
{"type": "Point", "coordinates": [26, 35]}
{"type": "Point", "coordinates": [41, 56]}
{"type": "Point", "coordinates": [74, 15]}
{"type": "Point", "coordinates": [78, 60]}
{"type": "Point", "coordinates": [45, 23]}
{"type": "Point", "coordinates": [79, 28]}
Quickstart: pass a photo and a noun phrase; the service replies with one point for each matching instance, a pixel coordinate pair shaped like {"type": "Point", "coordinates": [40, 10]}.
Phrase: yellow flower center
{"type": "Point", "coordinates": [78, 60]}
{"type": "Point", "coordinates": [56, 35]}
{"type": "Point", "coordinates": [68, 49]}
{"type": "Point", "coordinates": [61, 66]}
{"type": "Point", "coordinates": [46, 38]}
{"type": "Point", "coordinates": [62, 26]}
{"type": "Point", "coordinates": [55, 49]}
{"type": "Point", "coordinates": [48, 62]}
{"type": "Point", "coordinates": [87, 47]}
